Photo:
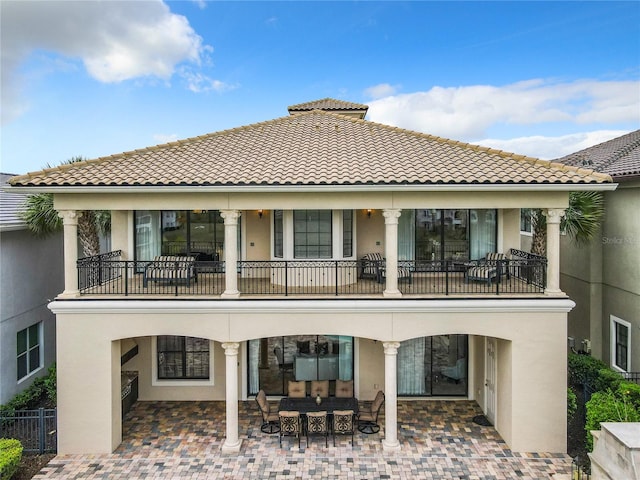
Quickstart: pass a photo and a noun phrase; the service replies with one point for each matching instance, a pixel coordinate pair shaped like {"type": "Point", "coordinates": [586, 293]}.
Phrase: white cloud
{"type": "Point", "coordinates": [161, 138]}
{"type": "Point", "coordinates": [115, 40]}
{"type": "Point", "coordinates": [549, 148]}
{"type": "Point", "coordinates": [381, 90]}
{"type": "Point", "coordinates": [468, 112]}
{"type": "Point", "coordinates": [198, 82]}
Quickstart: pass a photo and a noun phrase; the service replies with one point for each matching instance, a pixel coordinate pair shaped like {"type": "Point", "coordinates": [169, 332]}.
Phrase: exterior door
{"type": "Point", "coordinates": [490, 372]}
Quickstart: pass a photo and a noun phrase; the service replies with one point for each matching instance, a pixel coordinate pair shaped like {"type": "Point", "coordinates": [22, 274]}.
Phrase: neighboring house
{"type": "Point", "coordinates": [31, 275]}
{"type": "Point", "coordinates": [317, 245]}
{"type": "Point", "coordinates": [603, 278]}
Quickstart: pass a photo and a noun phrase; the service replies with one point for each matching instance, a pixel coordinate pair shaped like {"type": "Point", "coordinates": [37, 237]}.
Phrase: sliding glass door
{"type": "Point", "coordinates": [274, 361]}
{"type": "Point", "coordinates": [433, 366]}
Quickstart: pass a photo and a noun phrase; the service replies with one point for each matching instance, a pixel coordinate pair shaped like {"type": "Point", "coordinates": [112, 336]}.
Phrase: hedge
{"type": "Point", "coordinates": [10, 456]}
{"type": "Point", "coordinates": [584, 369]}
{"type": "Point", "coordinates": [620, 405]}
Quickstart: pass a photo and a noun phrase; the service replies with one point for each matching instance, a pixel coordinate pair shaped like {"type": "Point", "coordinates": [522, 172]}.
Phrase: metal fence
{"type": "Point", "coordinates": [579, 472]}
{"type": "Point", "coordinates": [36, 429]}
{"type": "Point", "coordinates": [108, 275]}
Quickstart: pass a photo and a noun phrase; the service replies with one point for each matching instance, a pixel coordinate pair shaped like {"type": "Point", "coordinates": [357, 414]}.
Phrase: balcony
{"type": "Point", "coordinates": [521, 274]}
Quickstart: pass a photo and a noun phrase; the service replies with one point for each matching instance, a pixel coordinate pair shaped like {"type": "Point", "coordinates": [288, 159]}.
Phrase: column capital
{"type": "Point", "coordinates": [69, 217]}
{"type": "Point", "coordinates": [230, 216]}
{"type": "Point", "coordinates": [554, 215]}
{"type": "Point", "coordinates": [391, 348]}
{"type": "Point", "coordinates": [231, 348]}
{"type": "Point", "coordinates": [391, 215]}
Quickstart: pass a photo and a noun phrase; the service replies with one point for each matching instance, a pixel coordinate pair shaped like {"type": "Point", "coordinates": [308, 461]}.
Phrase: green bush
{"type": "Point", "coordinates": [572, 404]}
{"type": "Point", "coordinates": [606, 379]}
{"type": "Point", "coordinates": [610, 406]}
{"type": "Point", "coordinates": [10, 456]}
{"type": "Point", "coordinates": [584, 369]}
{"type": "Point", "coordinates": [41, 388]}
{"type": "Point", "coordinates": [630, 392]}
{"type": "Point", "coordinates": [51, 384]}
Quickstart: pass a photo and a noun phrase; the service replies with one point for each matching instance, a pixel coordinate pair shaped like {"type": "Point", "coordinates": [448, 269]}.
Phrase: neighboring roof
{"type": "Point", "coordinates": [311, 149]}
{"type": "Point", "coordinates": [11, 204]}
{"type": "Point", "coordinates": [331, 105]}
{"type": "Point", "coordinates": [619, 157]}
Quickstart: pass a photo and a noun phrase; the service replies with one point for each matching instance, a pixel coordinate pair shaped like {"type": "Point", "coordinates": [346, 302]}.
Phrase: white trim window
{"type": "Point", "coordinates": [29, 350]}
{"type": "Point", "coordinates": [526, 221]}
{"type": "Point", "coordinates": [184, 361]}
{"type": "Point", "coordinates": [620, 344]}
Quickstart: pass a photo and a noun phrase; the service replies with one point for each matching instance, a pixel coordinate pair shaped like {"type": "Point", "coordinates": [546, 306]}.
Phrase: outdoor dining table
{"type": "Point", "coordinates": [308, 404]}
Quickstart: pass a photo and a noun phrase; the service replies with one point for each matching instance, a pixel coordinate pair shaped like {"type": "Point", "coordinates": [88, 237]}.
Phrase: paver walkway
{"type": "Point", "coordinates": [182, 440]}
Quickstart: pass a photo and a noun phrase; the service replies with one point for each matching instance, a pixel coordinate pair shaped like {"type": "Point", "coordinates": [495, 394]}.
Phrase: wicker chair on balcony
{"type": "Point", "coordinates": [373, 266]}
{"type": "Point", "coordinates": [490, 268]}
{"type": "Point", "coordinates": [171, 269]}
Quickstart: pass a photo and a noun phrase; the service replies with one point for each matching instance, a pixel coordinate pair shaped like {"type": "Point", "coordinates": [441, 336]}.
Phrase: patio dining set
{"type": "Point", "coordinates": [319, 414]}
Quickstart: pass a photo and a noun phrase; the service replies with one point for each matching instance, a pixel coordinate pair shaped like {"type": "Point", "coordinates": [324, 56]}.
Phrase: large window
{"type": "Point", "coordinates": [29, 350]}
{"type": "Point", "coordinates": [433, 366]}
{"type": "Point", "coordinates": [274, 361]}
{"type": "Point", "coordinates": [182, 357]}
{"type": "Point", "coordinates": [179, 232]}
{"type": "Point", "coordinates": [620, 344]}
{"type": "Point", "coordinates": [435, 235]}
{"type": "Point", "coordinates": [312, 234]}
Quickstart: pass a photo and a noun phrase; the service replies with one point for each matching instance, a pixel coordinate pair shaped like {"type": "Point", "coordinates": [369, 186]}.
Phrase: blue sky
{"type": "Point", "coordinates": [97, 78]}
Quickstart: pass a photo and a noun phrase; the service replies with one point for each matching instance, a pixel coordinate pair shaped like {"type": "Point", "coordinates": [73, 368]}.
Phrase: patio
{"type": "Point", "coordinates": [182, 440]}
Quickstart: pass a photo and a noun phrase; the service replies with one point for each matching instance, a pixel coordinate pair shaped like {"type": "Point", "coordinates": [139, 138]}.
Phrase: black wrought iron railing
{"type": "Point", "coordinates": [98, 269]}
{"type": "Point", "coordinates": [178, 275]}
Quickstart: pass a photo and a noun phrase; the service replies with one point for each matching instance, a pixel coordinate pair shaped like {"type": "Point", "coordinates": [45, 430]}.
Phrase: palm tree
{"type": "Point", "coordinates": [581, 221]}
{"type": "Point", "coordinates": [43, 220]}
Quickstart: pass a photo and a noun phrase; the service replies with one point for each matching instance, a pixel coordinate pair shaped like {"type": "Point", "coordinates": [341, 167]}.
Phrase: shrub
{"type": "Point", "coordinates": [584, 369]}
{"type": "Point", "coordinates": [609, 406]}
{"type": "Point", "coordinates": [51, 384]}
{"type": "Point", "coordinates": [572, 404]}
{"type": "Point", "coordinates": [606, 379]}
{"type": "Point", "coordinates": [41, 388]}
{"type": "Point", "coordinates": [10, 456]}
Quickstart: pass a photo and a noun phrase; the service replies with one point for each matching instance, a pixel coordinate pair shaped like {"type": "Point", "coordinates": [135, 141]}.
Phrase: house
{"type": "Point", "coordinates": [603, 277]}
{"type": "Point", "coordinates": [350, 247]}
{"type": "Point", "coordinates": [31, 275]}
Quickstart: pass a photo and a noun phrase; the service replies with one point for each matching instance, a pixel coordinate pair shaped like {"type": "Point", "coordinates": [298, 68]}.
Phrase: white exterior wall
{"type": "Point", "coordinates": [530, 353]}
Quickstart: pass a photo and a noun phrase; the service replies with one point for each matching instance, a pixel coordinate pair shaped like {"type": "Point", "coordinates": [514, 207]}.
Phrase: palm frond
{"type": "Point", "coordinates": [584, 216]}
{"type": "Point", "coordinates": [40, 216]}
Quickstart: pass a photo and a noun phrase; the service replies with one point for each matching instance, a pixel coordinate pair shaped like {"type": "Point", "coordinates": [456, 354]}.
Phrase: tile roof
{"type": "Point", "coordinates": [11, 204]}
{"type": "Point", "coordinates": [329, 104]}
{"type": "Point", "coordinates": [619, 157]}
{"type": "Point", "coordinates": [309, 149]}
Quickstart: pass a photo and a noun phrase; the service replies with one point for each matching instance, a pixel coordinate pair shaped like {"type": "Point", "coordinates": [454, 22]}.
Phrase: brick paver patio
{"type": "Point", "coordinates": [182, 440]}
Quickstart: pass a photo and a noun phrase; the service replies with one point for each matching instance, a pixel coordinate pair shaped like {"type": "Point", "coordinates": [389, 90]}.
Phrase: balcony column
{"type": "Point", "coordinates": [70, 225]}
{"type": "Point", "coordinates": [391, 216]}
{"type": "Point", "coordinates": [554, 216]}
{"type": "Point", "coordinates": [231, 443]}
{"type": "Point", "coordinates": [390, 441]}
{"type": "Point", "coordinates": [230, 252]}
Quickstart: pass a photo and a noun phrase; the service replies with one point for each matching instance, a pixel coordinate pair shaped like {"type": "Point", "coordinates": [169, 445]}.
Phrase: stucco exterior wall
{"type": "Point", "coordinates": [603, 277]}
{"type": "Point", "coordinates": [531, 353]}
{"type": "Point", "coordinates": [31, 275]}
